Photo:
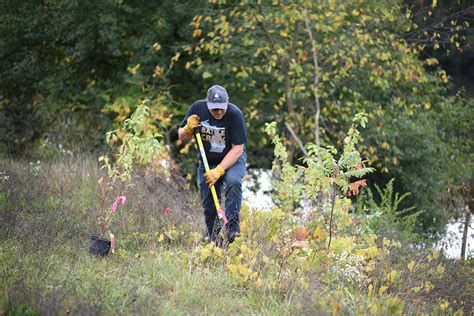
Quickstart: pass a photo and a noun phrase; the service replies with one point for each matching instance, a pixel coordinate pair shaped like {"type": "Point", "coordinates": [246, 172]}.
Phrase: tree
{"type": "Point", "coordinates": [293, 59]}
{"type": "Point", "coordinates": [63, 61]}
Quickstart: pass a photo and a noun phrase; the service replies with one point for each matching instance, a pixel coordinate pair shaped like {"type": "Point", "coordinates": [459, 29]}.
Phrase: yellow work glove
{"type": "Point", "coordinates": [192, 123]}
{"type": "Point", "coordinates": [213, 175]}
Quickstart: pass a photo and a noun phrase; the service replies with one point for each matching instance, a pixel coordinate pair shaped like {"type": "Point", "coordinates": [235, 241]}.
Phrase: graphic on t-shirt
{"type": "Point", "coordinates": [214, 135]}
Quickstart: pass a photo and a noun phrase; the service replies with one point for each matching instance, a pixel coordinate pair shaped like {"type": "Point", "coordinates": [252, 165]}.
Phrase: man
{"type": "Point", "coordinates": [224, 136]}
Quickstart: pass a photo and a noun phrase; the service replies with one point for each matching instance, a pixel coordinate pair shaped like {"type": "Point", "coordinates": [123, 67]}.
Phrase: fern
{"type": "Point", "coordinates": [322, 177]}
{"type": "Point", "coordinates": [383, 213]}
{"type": "Point", "coordinates": [349, 160]}
{"type": "Point", "coordinates": [358, 173]}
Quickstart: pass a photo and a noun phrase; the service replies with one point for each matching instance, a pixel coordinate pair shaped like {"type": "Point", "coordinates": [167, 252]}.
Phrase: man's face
{"type": "Point", "coordinates": [218, 114]}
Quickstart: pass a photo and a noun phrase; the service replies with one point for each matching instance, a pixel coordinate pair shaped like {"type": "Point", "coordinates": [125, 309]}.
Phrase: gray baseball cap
{"type": "Point", "coordinates": [217, 98]}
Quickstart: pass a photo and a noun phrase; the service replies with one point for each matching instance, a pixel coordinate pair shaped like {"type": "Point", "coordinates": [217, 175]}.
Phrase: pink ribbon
{"type": "Point", "coordinates": [116, 202]}
{"type": "Point", "coordinates": [221, 214]}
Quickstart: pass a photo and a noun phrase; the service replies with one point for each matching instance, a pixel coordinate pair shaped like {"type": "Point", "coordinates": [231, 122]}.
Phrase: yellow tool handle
{"type": "Point", "coordinates": [206, 167]}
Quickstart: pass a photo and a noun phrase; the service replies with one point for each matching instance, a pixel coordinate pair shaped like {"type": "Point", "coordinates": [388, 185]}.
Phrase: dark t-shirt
{"type": "Point", "coordinates": [218, 135]}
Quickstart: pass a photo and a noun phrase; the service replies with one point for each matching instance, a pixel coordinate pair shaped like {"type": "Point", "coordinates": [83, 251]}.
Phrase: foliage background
{"type": "Point", "coordinates": [71, 71]}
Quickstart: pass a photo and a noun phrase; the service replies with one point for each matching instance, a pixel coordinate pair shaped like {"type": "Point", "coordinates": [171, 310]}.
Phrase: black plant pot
{"type": "Point", "coordinates": [99, 246]}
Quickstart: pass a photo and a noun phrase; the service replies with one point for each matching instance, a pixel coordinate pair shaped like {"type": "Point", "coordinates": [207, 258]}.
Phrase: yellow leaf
{"type": "Point", "coordinates": [319, 234]}
{"type": "Point", "coordinates": [444, 305]}
{"type": "Point", "coordinates": [391, 276]}
{"type": "Point", "coordinates": [158, 71]}
{"type": "Point", "coordinates": [157, 47]}
{"type": "Point", "coordinates": [428, 286]}
{"type": "Point", "coordinates": [197, 32]}
{"type": "Point", "coordinates": [258, 283]}
{"type": "Point", "coordinates": [219, 252]}
{"type": "Point", "coordinates": [440, 269]}
{"type": "Point", "coordinates": [206, 75]}
{"type": "Point", "coordinates": [434, 3]}
{"type": "Point", "coordinates": [133, 70]}
{"type": "Point", "coordinates": [283, 34]}
{"type": "Point", "coordinates": [370, 266]}
{"type": "Point", "coordinates": [205, 253]}
{"type": "Point", "coordinates": [265, 259]}
{"type": "Point", "coordinates": [304, 283]}
{"type": "Point", "coordinates": [372, 251]}
{"type": "Point", "coordinates": [232, 268]}
{"type": "Point", "coordinates": [444, 77]}
{"type": "Point", "coordinates": [411, 265]}
{"type": "Point", "coordinates": [303, 56]}
{"type": "Point", "coordinates": [382, 289]}
{"type": "Point", "coordinates": [431, 61]}
{"type": "Point", "coordinates": [176, 56]}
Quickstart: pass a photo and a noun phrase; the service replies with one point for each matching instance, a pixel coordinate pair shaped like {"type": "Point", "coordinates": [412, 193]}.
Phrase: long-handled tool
{"type": "Point", "coordinates": [220, 212]}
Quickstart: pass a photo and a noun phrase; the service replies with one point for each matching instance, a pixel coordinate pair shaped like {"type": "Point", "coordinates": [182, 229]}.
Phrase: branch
{"type": "Point", "coordinates": [316, 78]}
{"type": "Point", "coordinates": [333, 201]}
{"type": "Point", "coordinates": [438, 23]}
{"type": "Point", "coordinates": [297, 139]}
{"type": "Point", "coordinates": [267, 33]}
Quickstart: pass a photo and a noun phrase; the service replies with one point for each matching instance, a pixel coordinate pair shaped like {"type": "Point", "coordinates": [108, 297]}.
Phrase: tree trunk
{"type": "Point", "coordinates": [469, 198]}
{"type": "Point", "coordinates": [464, 235]}
{"type": "Point", "coordinates": [291, 111]}
{"type": "Point", "coordinates": [316, 78]}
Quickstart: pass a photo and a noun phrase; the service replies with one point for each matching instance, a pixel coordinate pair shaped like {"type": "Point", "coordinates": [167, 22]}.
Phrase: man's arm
{"type": "Point", "coordinates": [232, 156]}
{"type": "Point", "coordinates": [229, 160]}
{"type": "Point", "coordinates": [183, 135]}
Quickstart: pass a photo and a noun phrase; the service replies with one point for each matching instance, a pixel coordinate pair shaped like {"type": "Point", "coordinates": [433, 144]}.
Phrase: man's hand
{"type": "Point", "coordinates": [192, 123]}
{"type": "Point", "coordinates": [213, 175]}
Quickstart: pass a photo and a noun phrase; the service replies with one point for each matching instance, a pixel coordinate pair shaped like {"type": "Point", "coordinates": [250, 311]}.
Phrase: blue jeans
{"type": "Point", "coordinates": [232, 183]}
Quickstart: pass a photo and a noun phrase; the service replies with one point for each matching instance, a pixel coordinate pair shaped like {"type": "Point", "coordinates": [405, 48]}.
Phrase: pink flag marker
{"type": "Point", "coordinates": [116, 202]}
{"type": "Point", "coordinates": [221, 214]}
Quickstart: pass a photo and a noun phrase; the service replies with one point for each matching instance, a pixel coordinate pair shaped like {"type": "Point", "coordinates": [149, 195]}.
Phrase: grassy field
{"type": "Point", "coordinates": [48, 214]}
{"type": "Point", "coordinates": [164, 265]}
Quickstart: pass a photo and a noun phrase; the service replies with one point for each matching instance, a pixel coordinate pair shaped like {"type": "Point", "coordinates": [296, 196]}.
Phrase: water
{"type": "Point", "coordinates": [260, 199]}
{"type": "Point", "coordinates": [450, 244]}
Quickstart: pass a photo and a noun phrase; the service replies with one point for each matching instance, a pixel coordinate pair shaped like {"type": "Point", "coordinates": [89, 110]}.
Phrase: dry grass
{"type": "Point", "coordinates": [48, 211]}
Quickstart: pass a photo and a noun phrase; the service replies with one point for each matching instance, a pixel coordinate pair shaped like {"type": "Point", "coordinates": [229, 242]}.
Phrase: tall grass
{"type": "Point", "coordinates": [164, 265]}
{"type": "Point", "coordinates": [49, 211]}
